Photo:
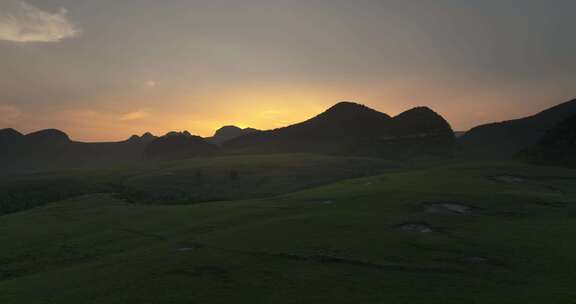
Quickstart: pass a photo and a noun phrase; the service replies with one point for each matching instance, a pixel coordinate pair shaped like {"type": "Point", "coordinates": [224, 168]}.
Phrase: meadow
{"type": "Point", "coordinates": [297, 229]}
{"type": "Point", "coordinates": [188, 181]}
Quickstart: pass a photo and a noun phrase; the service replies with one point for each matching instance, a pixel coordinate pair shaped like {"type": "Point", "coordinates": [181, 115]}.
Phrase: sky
{"type": "Point", "coordinates": [103, 70]}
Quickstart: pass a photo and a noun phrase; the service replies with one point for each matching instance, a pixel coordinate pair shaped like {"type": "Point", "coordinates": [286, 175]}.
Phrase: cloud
{"type": "Point", "coordinates": [136, 115]}
{"type": "Point", "coordinates": [9, 114]}
{"type": "Point", "coordinates": [23, 22]}
{"type": "Point", "coordinates": [151, 84]}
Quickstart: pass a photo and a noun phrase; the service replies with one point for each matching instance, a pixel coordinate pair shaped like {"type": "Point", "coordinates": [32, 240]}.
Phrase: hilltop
{"type": "Point", "coordinates": [507, 138]}
{"type": "Point", "coordinates": [354, 129]}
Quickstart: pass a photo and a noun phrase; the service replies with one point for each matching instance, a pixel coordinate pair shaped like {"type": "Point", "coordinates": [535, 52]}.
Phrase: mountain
{"type": "Point", "coordinates": [419, 132]}
{"type": "Point", "coordinates": [53, 149]}
{"type": "Point", "coordinates": [227, 133]}
{"type": "Point", "coordinates": [178, 145]}
{"type": "Point", "coordinates": [351, 128]}
{"type": "Point", "coordinates": [557, 147]}
{"type": "Point", "coordinates": [145, 138]}
{"type": "Point", "coordinates": [345, 128]}
{"type": "Point", "coordinates": [329, 131]}
{"type": "Point", "coordinates": [421, 122]}
{"type": "Point", "coordinates": [41, 149]}
{"type": "Point", "coordinates": [48, 136]}
{"type": "Point", "coordinates": [9, 136]}
{"type": "Point", "coordinates": [505, 139]}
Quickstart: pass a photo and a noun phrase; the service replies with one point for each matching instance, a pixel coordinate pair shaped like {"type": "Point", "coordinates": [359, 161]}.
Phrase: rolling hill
{"type": "Point", "coordinates": [391, 238]}
{"type": "Point", "coordinates": [53, 150]}
{"type": "Point", "coordinates": [227, 133]}
{"type": "Point", "coordinates": [351, 128]}
{"type": "Point", "coordinates": [557, 147]}
{"type": "Point", "coordinates": [9, 136]}
{"type": "Point", "coordinates": [347, 128]}
{"type": "Point", "coordinates": [178, 145]}
{"type": "Point", "coordinates": [507, 138]}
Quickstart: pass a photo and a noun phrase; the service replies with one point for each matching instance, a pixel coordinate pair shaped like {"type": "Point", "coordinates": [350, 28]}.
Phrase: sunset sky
{"type": "Point", "coordinates": [105, 69]}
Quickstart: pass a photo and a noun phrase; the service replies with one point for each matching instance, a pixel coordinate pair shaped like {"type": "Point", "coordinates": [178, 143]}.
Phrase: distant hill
{"type": "Point", "coordinates": [505, 139]}
{"type": "Point", "coordinates": [53, 149]}
{"type": "Point", "coordinates": [48, 137]}
{"type": "Point", "coordinates": [145, 138]}
{"type": "Point", "coordinates": [351, 128]}
{"type": "Point", "coordinates": [557, 147]}
{"type": "Point", "coordinates": [227, 133]}
{"type": "Point", "coordinates": [346, 128]}
{"type": "Point", "coordinates": [178, 145]}
{"type": "Point", "coordinates": [9, 136]}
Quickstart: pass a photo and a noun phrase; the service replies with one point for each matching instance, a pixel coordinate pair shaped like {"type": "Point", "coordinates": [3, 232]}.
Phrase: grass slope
{"type": "Point", "coordinates": [188, 181]}
{"type": "Point", "coordinates": [338, 243]}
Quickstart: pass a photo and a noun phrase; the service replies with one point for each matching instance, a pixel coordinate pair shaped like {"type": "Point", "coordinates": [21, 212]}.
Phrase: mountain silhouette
{"type": "Point", "coordinates": [346, 128]}
{"type": "Point", "coordinates": [10, 136]}
{"type": "Point", "coordinates": [178, 145]}
{"type": "Point", "coordinates": [48, 136]}
{"type": "Point", "coordinates": [227, 133]}
{"type": "Point", "coordinates": [329, 131]}
{"type": "Point", "coordinates": [420, 121]}
{"type": "Point", "coordinates": [352, 128]}
{"type": "Point", "coordinates": [145, 138]}
{"type": "Point", "coordinates": [557, 147]}
{"type": "Point", "coordinates": [505, 139]}
{"type": "Point", "coordinates": [53, 149]}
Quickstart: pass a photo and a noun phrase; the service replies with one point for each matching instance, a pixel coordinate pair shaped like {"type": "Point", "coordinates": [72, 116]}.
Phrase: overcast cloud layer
{"type": "Point", "coordinates": [150, 65]}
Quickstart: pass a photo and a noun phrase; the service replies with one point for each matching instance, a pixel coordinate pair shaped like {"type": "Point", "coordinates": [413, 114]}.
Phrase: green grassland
{"type": "Point", "coordinates": [189, 181]}
{"type": "Point", "coordinates": [318, 241]}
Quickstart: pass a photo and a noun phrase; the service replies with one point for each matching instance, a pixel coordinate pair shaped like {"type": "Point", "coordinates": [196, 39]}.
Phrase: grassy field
{"type": "Point", "coordinates": [450, 233]}
{"type": "Point", "coordinates": [189, 181]}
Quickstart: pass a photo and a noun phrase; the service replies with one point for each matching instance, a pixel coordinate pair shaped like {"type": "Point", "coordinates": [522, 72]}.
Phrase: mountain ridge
{"type": "Point", "coordinates": [506, 138]}
{"type": "Point", "coordinates": [346, 127]}
{"type": "Point", "coordinates": [228, 132]}
{"type": "Point", "coordinates": [556, 147]}
{"type": "Point", "coordinates": [178, 145]}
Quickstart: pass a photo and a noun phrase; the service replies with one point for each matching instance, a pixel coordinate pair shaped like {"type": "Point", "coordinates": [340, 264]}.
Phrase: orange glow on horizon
{"type": "Point", "coordinates": [262, 108]}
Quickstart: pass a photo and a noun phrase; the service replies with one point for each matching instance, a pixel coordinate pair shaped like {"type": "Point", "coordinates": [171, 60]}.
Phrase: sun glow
{"type": "Point", "coordinates": [265, 109]}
